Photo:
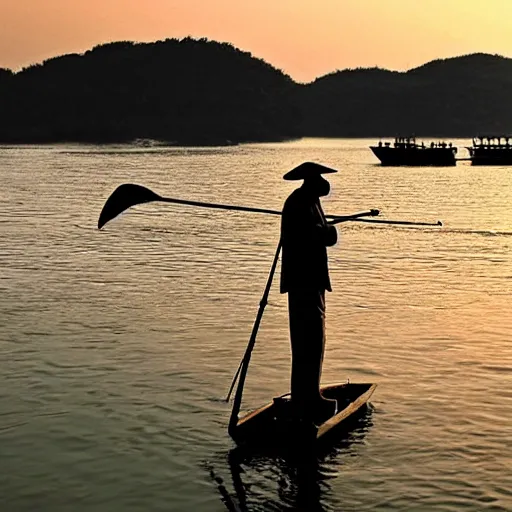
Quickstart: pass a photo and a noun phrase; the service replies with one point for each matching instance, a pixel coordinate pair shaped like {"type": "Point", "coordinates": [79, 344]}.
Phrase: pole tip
{"type": "Point", "coordinates": [439, 223]}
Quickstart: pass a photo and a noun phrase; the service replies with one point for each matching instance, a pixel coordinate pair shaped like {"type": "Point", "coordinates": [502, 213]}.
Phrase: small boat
{"type": "Point", "coordinates": [405, 151]}
{"type": "Point", "coordinates": [490, 150]}
{"type": "Point", "coordinates": [274, 424]}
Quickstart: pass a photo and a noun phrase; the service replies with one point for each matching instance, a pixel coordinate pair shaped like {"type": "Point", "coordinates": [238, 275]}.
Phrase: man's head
{"type": "Point", "coordinates": [311, 173]}
{"type": "Point", "coordinates": [317, 186]}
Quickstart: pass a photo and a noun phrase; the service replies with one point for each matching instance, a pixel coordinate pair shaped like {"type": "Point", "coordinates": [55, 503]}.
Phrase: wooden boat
{"type": "Point", "coordinates": [405, 151]}
{"type": "Point", "coordinates": [274, 422]}
{"type": "Point", "coordinates": [490, 150]}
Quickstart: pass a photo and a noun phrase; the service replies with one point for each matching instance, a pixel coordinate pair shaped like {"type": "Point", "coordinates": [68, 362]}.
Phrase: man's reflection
{"type": "Point", "coordinates": [298, 481]}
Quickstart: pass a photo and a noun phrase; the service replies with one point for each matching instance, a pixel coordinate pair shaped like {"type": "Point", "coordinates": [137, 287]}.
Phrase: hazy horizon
{"type": "Point", "coordinates": [303, 40]}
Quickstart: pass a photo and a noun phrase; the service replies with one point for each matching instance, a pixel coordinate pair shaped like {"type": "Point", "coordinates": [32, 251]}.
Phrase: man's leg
{"type": "Point", "coordinates": [307, 333]}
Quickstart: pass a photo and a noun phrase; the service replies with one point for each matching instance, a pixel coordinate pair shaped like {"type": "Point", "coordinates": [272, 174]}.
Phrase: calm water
{"type": "Point", "coordinates": [117, 346]}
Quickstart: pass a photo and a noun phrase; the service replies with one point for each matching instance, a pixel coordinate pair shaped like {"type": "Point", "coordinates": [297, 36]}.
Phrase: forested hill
{"type": "Point", "coordinates": [186, 91]}
{"type": "Point", "coordinates": [462, 96]}
{"type": "Point", "coordinates": [203, 92]}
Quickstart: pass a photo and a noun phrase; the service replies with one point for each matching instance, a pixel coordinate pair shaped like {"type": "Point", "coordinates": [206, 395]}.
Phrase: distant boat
{"type": "Point", "coordinates": [491, 150]}
{"type": "Point", "coordinates": [405, 151]}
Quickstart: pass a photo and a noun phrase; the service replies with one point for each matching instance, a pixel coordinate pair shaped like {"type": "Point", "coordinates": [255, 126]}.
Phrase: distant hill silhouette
{"type": "Point", "coordinates": [185, 91]}
{"type": "Point", "coordinates": [461, 96]}
{"type": "Point", "coordinates": [198, 92]}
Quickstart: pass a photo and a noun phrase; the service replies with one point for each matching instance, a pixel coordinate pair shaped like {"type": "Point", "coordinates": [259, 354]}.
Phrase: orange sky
{"type": "Point", "coordinates": [304, 38]}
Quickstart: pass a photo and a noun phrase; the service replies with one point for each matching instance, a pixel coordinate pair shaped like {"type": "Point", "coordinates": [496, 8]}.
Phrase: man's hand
{"type": "Point", "coordinates": [331, 235]}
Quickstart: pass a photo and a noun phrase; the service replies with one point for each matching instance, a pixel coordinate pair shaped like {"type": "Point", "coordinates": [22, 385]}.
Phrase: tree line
{"type": "Point", "coordinates": [196, 91]}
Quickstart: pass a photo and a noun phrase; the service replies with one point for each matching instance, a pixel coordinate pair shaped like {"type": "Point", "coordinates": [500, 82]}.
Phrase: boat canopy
{"type": "Point", "coordinates": [492, 140]}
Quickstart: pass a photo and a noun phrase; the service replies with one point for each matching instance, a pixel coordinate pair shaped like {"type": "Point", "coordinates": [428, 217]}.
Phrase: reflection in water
{"type": "Point", "coordinates": [265, 481]}
{"type": "Point", "coordinates": [114, 342]}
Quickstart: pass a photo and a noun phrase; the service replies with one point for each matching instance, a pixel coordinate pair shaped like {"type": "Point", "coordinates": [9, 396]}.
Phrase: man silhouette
{"type": "Point", "coordinates": [305, 236]}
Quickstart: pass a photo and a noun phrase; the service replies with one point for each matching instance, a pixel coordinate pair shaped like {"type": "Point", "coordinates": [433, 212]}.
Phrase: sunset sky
{"type": "Point", "coordinates": [304, 38]}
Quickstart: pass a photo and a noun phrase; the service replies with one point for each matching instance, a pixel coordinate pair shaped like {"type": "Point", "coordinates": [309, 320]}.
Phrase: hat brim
{"type": "Point", "coordinates": [307, 170]}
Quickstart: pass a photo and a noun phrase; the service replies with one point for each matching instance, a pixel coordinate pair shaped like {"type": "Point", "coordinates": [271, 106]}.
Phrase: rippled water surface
{"type": "Point", "coordinates": [117, 346]}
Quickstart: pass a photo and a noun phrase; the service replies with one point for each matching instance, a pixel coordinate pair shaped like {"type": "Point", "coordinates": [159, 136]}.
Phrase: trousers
{"type": "Point", "coordinates": [307, 335]}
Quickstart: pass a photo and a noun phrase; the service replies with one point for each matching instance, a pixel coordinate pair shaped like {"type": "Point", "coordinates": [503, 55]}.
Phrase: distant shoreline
{"type": "Point", "coordinates": [150, 143]}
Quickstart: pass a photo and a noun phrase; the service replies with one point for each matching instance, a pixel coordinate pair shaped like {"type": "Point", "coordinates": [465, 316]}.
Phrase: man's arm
{"type": "Point", "coordinates": [326, 234]}
{"type": "Point", "coordinates": [306, 224]}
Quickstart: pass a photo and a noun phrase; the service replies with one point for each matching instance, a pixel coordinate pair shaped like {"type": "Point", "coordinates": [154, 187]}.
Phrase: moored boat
{"type": "Point", "coordinates": [274, 424]}
{"type": "Point", "coordinates": [491, 150]}
{"type": "Point", "coordinates": [406, 151]}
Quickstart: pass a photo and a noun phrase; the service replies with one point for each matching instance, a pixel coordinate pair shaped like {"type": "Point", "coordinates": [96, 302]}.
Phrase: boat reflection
{"type": "Point", "coordinates": [263, 481]}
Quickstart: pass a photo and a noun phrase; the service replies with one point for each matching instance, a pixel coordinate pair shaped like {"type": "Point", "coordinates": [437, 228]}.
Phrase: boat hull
{"type": "Point", "coordinates": [494, 156]}
{"type": "Point", "coordinates": [274, 425]}
{"type": "Point", "coordinates": [414, 156]}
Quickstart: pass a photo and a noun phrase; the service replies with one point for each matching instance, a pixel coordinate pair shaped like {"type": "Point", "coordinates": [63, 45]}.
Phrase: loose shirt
{"type": "Point", "coordinates": [305, 236]}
